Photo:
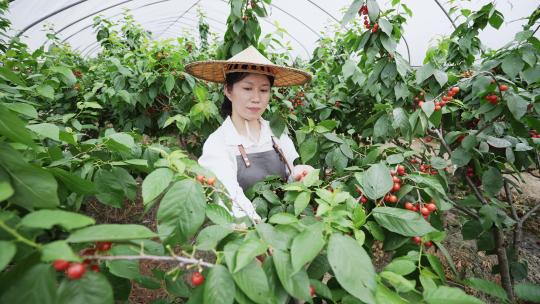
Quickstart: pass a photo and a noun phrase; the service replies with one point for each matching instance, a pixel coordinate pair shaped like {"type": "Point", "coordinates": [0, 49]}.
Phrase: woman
{"type": "Point", "coordinates": [243, 150]}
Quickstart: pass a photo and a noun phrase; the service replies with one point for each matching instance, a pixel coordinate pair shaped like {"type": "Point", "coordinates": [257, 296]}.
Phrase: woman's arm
{"type": "Point", "coordinates": [299, 171]}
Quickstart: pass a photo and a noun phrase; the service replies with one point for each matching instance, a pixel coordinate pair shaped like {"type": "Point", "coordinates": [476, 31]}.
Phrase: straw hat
{"type": "Point", "coordinates": [248, 60]}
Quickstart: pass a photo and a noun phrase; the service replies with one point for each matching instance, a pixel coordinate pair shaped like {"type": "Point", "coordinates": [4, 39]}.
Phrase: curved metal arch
{"type": "Point", "coordinates": [180, 16]}
{"type": "Point", "coordinates": [48, 16]}
{"type": "Point", "coordinates": [115, 15]}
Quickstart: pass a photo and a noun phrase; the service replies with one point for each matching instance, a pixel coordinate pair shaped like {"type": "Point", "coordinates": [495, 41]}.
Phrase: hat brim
{"type": "Point", "coordinates": [213, 70]}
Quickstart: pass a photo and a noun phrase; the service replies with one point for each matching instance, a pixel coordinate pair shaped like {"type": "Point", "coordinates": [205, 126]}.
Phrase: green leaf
{"type": "Point", "coordinates": [308, 149]}
{"type": "Point", "coordinates": [347, 260]}
{"type": "Point", "coordinates": [487, 287]}
{"type": "Point", "coordinates": [169, 84]}
{"type": "Point", "coordinates": [48, 218]}
{"type": "Point", "coordinates": [424, 73]}
{"type": "Point", "coordinates": [253, 282]}
{"type": "Point", "coordinates": [32, 284]}
{"type": "Point", "coordinates": [382, 126]}
{"type": "Point", "coordinates": [67, 76]}
{"type": "Point", "coordinates": [449, 295]}
{"type": "Point", "coordinates": [128, 269]}
{"type": "Point", "coordinates": [219, 286]}
{"type": "Point", "coordinates": [7, 74]}
{"type": "Point", "coordinates": [528, 291]}
{"type": "Point", "coordinates": [110, 232]}
{"type": "Point", "coordinates": [218, 215]}
{"type": "Point", "coordinates": [201, 93]}
{"type": "Point", "coordinates": [306, 246]}
{"type": "Point", "coordinates": [92, 288]}
{"type": "Point", "coordinates": [376, 181]}
{"type": "Point", "coordinates": [426, 180]}
{"type": "Point", "coordinates": [46, 130]}
{"type": "Point", "coordinates": [512, 65]}
{"type": "Point", "coordinates": [441, 77]}
{"type": "Point", "coordinates": [296, 284]}
{"type": "Point", "coordinates": [496, 20]}
{"type": "Point", "coordinates": [402, 221]}
{"type": "Point", "coordinates": [436, 266]}
{"type": "Point", "coordinates": [397, 281]}
{"type": "Point", "coordinates": [349, 67]}
{"type": "Point", "coordinates": [34, 186]}
{"type": "Point", "coordinates": [74, 182]}
{"type": "Point", "coordinates": [460, 157]}
{"type": "Point", "coordinates": [177, 287]}
{"type": "Point", "coordinates": [46, 91]}
{"type": "Point", "coordinates": [373, 9]}
{"type": "Point", "coordinates": [351, 12]}
{"type": "Point", "coordinates": [492, 181]}
{"type": "Point", "coordinates": [517, 105]}
{"type": "Point", "coordinates": [12, 127]}
{"type": "Point", "coordinates": [283, 218]}
{"type": "Point", "coordinates": [7, 251]}
{"type": "Point", "coordinates": [301, 202]}
{"type": "Point", "coordinates": [210, 236]}
{"type": "Point", "coordinates": [22, 108]}
{"type": "Point", "coordinates": [385, 295]}
{"type": "Point", "coordinates": [182, 210]}
{"type": "Point", "coordinates": [402, 267]}
{"type": "Point", "coordinates": [438, 162]}
{"type": "Point", "coordinates": [154, 184]}
{"type": "Point", "coordinates": [6, 191]}
{"type": "Point", "coordinates": [248, 251]}
{"type": "Point", "coordinates": [278, 124]}
{"type": "Point", "coordinates": [58, 250]}
{"type": "Point", "coordinates": [498, 142]}
{"type": "Point", "coordinates": [386, 26]}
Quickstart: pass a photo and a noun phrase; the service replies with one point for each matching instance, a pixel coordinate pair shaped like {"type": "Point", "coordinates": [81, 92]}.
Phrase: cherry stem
{"type": "Point", "coordinates": [183, 261]}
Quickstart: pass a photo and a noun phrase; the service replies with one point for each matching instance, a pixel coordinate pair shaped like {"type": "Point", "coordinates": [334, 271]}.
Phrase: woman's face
{"type": "Point", "coordinates": [249, 96]}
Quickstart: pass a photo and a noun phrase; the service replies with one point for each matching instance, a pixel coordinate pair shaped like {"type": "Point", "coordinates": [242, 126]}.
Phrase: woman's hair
{"type": "Point", "coordinates": [230, 80]}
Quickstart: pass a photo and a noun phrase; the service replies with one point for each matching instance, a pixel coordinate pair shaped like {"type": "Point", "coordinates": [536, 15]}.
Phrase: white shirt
{"type": "Point", "coordinates": [219, 156]}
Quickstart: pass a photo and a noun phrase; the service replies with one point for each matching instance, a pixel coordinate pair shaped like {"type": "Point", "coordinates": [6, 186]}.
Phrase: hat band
{"type": "Point", "coordinates": [250, 68]}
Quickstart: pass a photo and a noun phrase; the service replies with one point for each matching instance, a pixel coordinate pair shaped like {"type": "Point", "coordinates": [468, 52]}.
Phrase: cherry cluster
{"type": "Point", "coordinates": [492, 98]}
{"type": "Point", "coordinates": [203, 180]}
{"type": "Point", "coordinates": [76, 270]}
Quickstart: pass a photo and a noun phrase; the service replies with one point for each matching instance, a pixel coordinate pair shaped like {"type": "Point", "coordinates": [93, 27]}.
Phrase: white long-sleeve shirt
{"type": "Point", "coordinates": [219, 156]}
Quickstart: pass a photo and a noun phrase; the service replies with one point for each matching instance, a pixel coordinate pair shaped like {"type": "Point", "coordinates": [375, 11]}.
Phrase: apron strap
{"type": "Point", "coordinates": [244, 156]}
{"type": "Point", "coordinates": [281, 155]}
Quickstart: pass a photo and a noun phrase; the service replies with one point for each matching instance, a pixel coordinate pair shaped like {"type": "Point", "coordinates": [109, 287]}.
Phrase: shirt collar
{"type": "Point", "coordinates": [232, 137]}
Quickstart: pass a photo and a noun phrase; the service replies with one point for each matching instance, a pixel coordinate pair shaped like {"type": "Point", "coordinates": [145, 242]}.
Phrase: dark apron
{"type": "Point", "coordinates": [255, 167]}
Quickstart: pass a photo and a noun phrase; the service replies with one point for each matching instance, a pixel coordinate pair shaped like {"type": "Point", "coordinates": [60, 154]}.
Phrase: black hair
{"type": "Point", "coordinates": [230, 80]}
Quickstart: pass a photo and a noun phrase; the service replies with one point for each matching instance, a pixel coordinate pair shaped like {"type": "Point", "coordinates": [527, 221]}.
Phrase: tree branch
{"type": "Point", "coordinates": [183, 261]}
{"type": "Point", "coordinates": [446, 13]}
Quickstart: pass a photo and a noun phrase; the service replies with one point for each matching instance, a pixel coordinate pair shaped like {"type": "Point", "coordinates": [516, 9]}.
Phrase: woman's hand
{"type": "Point", "coordinates": [300, 171]}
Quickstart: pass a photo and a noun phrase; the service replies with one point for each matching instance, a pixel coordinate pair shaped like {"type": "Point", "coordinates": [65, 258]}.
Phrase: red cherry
{"type": "Point", "coordinates": [363, 199]}
{"type": "Point", "coordinates": [396, 187]}
{"type": "Point", "coordinates": [60, 265]}
{"type": "Point", "coordinates": [392, 172]}
{"type": "Point", "coordinates": [200, 178]}
{"type": "Point", "coordinates": [75, 271]}
{"type": "Point", "coordinates": [409, 206]}
{"type": "Point", "coordinates": [420, 103]}
{"type": "Point", "coordinates": [424, 211]}
{"type": "Point", "coordinates": [400, 170]}
{"type": "Point", "coordinates": [392, 199]}
{"type": "Point", "coordinates": [417, 240]}
{"type": "Point", "coordinates": [211, 181]}
{"type": "Point", "coordinates": [311, 291]}
{"type": "Point", "coordinates": [197, 278]}
{"type": "Point", "coordinates": [396, 179]}
{"type": "Point", "coordinates": [428, 244]}
{"type": "Point", "coordinates": [455, 90]}
{"type": "Point", "coordinates": [89, 251]}
{"type": "Point", "coordinates": [95, 268]}
{"type": "Point", "coordinates": [103, 246]}
{"type": "Point", "coordinates": [503, 87]}
{"type": "Point", "coordinates": [437, 107]}
{"type": "Point", "coordinates": [428, 139]}
{"type": "Point", "coordinates": [431, 207]}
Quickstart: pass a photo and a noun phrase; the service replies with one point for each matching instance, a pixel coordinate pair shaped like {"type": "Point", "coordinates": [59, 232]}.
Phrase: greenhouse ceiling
{"type": "Point", "coordinates": [305, 21]}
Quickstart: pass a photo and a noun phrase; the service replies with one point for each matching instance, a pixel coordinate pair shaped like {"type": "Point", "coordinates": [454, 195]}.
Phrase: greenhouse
{"type": "Point", "coordinates": [269, 151]}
